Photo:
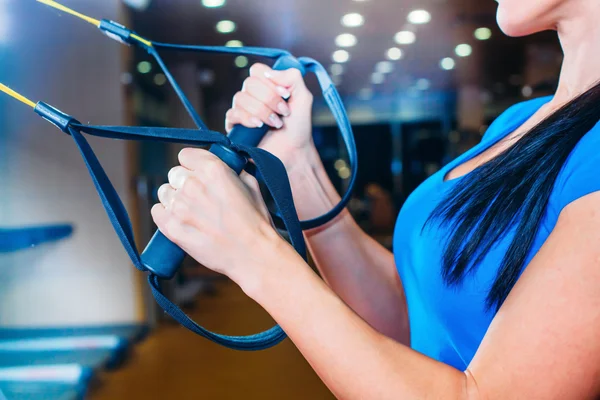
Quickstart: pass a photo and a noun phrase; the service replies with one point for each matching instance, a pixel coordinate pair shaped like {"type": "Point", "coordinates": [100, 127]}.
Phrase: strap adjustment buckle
{"type": "Point", "coordinates": [56, 117]}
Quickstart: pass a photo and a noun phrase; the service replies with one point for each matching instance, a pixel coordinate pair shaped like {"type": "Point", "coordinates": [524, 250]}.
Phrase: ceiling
{"type": "Point", "coordinates": [309, 28]}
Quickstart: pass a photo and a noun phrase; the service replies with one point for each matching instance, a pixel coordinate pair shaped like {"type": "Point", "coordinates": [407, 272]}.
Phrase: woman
{"type": "Point", "coordinates": [497, 256]}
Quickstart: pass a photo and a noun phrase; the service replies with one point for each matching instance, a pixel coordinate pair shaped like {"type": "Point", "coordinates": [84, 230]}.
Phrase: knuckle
{"type": "Point", "coordinates": [265, 111]}
{"type": "Point", "coordinates": [256, 69]}
{"type": "Point", "coordinates": [239, 96]}
{"type": "Point", "coordinates": [253, 108]}
{"type": "Point", "coordinates": [214, 166]}
{"type": "Point", "coordinates": [162, 190]}
{"type": "Point", "coordinates": [191, 187]}
{"type": "Point", "coordinates": [172, 173]}
{"type": "Point", "coordinates": [180, 210]}
{"type": "Point", "coordinates": [155, 212]}
{"type": "Point", "coordinates": [249, 81]}
{"type": "Point", "coordinates": [237, 114]}
{"type": "Point", "coordinates": [273, 99]}
{"type": "Point", "coordinates": [262, 92]}
{"type": "Point", "coordinates": [295, 74]}
{"type": "Point", "coordinates": [173, 229]}
{"type": "Point", "coordinates": [252, 85]}
{"type": "Point", "coordinates": [178, 232]}
{"type": "Point", "coordinates": [186, 154]}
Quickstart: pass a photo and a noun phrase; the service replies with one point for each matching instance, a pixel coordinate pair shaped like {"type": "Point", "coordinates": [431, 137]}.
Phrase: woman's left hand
{"type": "Point", "coordinates": [216, 217]}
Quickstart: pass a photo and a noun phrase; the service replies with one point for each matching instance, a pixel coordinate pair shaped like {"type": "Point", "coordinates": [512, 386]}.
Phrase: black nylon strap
{"type": "Point", "coordinates": [271, 169]}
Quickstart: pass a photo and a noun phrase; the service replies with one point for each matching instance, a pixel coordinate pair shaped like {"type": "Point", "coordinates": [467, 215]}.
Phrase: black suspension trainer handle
{"type": "Point", "coordinates": [163, 257]}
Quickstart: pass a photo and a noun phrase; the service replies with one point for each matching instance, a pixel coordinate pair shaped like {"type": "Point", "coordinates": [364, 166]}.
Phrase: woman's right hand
{"type": "Point", "coordinates": [262, 101]}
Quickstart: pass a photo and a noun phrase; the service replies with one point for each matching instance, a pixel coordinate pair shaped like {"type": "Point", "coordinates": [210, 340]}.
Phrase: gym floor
{"type": "Point", "coordinates": [173, 363]}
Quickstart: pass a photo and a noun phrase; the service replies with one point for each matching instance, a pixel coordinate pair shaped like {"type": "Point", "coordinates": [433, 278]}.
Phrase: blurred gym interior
{"type": "Point", "coordinates": [421, 80]}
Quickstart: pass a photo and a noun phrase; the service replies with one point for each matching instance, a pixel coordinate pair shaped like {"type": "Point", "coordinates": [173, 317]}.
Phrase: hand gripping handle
{"type": "Point", "coordinates": [163, 257]}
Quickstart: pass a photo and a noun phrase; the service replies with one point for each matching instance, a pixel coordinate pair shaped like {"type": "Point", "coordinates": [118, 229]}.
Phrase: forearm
{"type": "Point", "coordinates": [356, 267]}
{"type": "Point", "coordinates": [353, 359]}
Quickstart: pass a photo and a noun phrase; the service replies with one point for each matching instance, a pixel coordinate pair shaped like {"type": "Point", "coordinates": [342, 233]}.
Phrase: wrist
{"type": "Point", "coordinates": [313, 191]}
{"type": "Point", "coordinates": [274, 260]}
{"type": "Point", "coordinates": [302, 159]}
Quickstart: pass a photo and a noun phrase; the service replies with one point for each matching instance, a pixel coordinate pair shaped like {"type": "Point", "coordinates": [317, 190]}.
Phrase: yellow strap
{"type": "Point", "coordinates": [91, 20]}
{"type": "Point", "coordinates": [141, 40]}
{"type": "Point", "coordinates": [60, 7]}
{"type": "Point", "coordinates": [16, 95]}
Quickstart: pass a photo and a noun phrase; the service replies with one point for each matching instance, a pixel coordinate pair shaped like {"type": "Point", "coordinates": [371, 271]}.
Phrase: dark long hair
{"type": "Point", "coordinates": [512, 188]}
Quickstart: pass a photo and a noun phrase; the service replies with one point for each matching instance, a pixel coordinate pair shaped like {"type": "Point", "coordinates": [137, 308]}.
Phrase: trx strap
{"type": "Point", "coordinates": [162, 258]}
{"type": "Point", "coordinates": [269, 166]}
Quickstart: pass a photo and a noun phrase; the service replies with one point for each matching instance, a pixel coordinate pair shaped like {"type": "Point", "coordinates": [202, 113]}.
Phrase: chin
{"type": "Point", "coordinates": [511, 26]}
{"type": "Point", "coordinates": [516, 19]}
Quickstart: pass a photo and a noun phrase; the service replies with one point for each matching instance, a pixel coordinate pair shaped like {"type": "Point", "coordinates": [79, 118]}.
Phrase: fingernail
{"type": "Point", "coordinates": [160, 192]}
{"type": "Point", "coordinates": [178, 179]}
{"type": "Point", "coordinates": [257, 122]}
{"type": "Point", "coordinates": [283, 109]}
{"type": "Point", "coordinates": [268, 74]}
{"type": "Point", "coordinates": [275, 121]}
{"type": "Point", "coordinates": [283, 92]}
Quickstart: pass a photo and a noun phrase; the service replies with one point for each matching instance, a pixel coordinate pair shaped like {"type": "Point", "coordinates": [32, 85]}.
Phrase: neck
{"type": "Point", "coordinates": [580, 40]}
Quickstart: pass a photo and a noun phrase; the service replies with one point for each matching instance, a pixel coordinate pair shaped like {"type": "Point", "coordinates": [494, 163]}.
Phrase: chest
{"type": "Point", "coordinates": [444, 318]}
{"type": "Point", "coordinates": [419, 250]}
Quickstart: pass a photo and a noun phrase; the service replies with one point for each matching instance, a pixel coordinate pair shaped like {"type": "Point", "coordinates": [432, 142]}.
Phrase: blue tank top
{"type": "Point", "coordinates": [448, 323]}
